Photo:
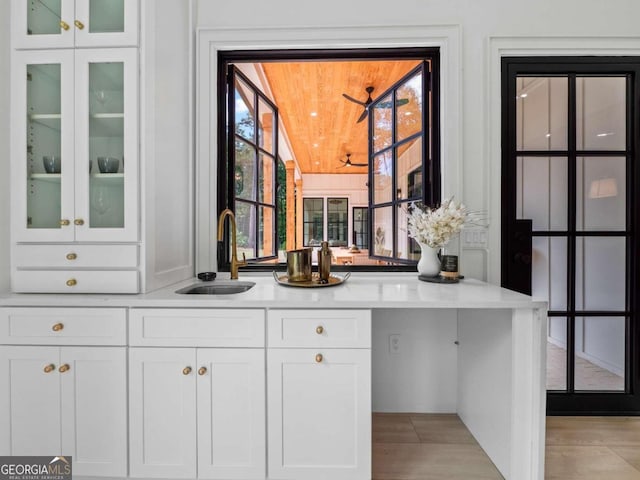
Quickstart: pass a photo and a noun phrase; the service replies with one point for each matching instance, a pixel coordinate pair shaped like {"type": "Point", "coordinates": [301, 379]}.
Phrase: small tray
{"type": "Point", "coordinates": [313, 283]}
{"type": "Point", "coordinates": [439, 279]}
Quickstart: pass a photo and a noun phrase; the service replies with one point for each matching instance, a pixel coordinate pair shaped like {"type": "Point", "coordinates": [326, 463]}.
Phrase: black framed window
{"type": "Point", "coordinates": [402, 165]}
{"type": "Point", "coordinates": [338, 221]}
{"type": "Point", "coordinates": [360, 227]}
{"type": "Point", "coordinates": [313, 221]}
{"type": "Point", "coordinates": [252, 162]}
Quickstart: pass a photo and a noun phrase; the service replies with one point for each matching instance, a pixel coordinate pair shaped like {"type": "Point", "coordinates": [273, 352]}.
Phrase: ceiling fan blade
{"type": "Point", "coordinates": [353, 99]}
{"type": "Point", "coordinates": [363, 116]}
{"type": "Point", "coordinates": [359, 164]}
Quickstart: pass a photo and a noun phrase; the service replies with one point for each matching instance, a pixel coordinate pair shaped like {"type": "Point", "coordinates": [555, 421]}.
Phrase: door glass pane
{"type": "Point", "coordinates": [382, 121]}
{"type": "Point", "coordinates": [383, 231]}
{"type": "Point", "coordinates": [601, 113]}
{"type": "Point", "coordinates": [245, 229]}
{"type": "Point", "coordinates": [266, 138]}
{"type": "Point", "coordinates": [382, 178]}
{"type": "Point", "coordinates": [557, 354]}
{"type": "Point", "coordinates": [541, 113]}
{"type": "Point", "coordinates": [106, 16]}
{"type": "Point", "coordinates": [313, 216]}
{"type": "Point", "coordinates": [600, 353]}
{"type": "Point", "coordinates": [360, 227]}
{"type": "Point", "coordinates": [409, 108]}
{"type": "Point", "coordinates": [337, 222]}
{"type": "Point", "coordinates": [407, 247]}
{"type": "Point", "coordinates": [600, 273]}
{"type": "Point", "coordinates": [266, 174]}
{"type": "Point", "coordinates": [43, 17]}
{"type": "Point", "coordinates": [244, 110]}
{"type": "Point", "coordinates": [266, 227]}
{"type": "Point", "coordinates": [409, 170]}
{"type": "Point", "coordinates": [43, 146]}
{"type": "Point", "coordinates": [245, 171]}
{"type": "Point", "coordinates": [549, 271]}
{"type": "Point", "coordinates": [601, 193]}
{"type": "Point", "coordinates": [541, 192]}
{"type": "Point", "coordinates": [106, 145]}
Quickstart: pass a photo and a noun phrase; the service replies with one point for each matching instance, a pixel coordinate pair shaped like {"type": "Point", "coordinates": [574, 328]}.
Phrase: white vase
{"type": "Point", "coordinates": [429, 263]}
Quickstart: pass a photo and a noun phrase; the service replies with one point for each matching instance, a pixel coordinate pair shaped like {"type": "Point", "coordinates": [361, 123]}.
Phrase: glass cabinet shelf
{"type": "Point", "coordinates": [50, 120]}
{"type": "Point", "coordinates": [55, 177]}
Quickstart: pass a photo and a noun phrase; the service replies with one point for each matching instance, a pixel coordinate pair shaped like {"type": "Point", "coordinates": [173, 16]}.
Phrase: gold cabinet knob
{"type": "Point", "coordinates": [64, 222]}
{"type": "Point", "coordinates": [79, 24]}
{"type": "Point", "coordinates": [202, 371]}
{"type": "Point", "coordinates": [57, 327]}
{"type": "Point", "coordinates": [78, 221]}
{"type": "Point", "coordinates": [319, 358]}
{"type": "Point", "coordinates": [64, 368]}
{"type": "Point", "coordinates": [186, 370]}
{"type": "Point", "coordinates": [64, 25]}
{"type": "Point", "coordinates": [49, 368]}
{"type": "Point", "coordinates": [319, 329]}
{"type": "Point", "coordinates": [71, 256]}
{"type": "Point", "coordinates": [72, 282]}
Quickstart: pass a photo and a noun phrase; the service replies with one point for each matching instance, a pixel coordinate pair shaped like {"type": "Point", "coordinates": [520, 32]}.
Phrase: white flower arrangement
{"type": "Point", "coordinates": [435, 227]}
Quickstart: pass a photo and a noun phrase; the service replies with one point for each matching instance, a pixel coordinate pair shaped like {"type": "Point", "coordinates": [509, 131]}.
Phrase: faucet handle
{"type": "Point", "coordinates": [243, 263]}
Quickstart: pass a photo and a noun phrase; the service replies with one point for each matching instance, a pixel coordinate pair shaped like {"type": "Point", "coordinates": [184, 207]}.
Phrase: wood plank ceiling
{"type": "Point", "coordinates": [322, 124]}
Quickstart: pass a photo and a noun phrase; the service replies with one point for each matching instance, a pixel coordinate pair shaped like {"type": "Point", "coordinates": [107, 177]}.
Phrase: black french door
{"type": "Point", "coordinates": [570, 179]}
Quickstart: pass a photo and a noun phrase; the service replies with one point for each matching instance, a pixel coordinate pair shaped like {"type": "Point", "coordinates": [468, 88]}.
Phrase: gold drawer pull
{"type": "Point", "coordinates": [71, 256]}
{"type": "Point", "coordinates": [319, 358]}
{"type": "Point", "coordinates": [49, 368]}
{"type": "Point", "coordinates": [64, 25]}
{"type": "Point", "coordinates": [72, 282]}
{"type": "Point", "coordinates": [64, 222]}
{"type": "Point", "coordinates": [57, 327]}
{"type": "Point", "coordinates": [79, 24]}
{"type": "Point", "coordinates": [202, 371]}
{"type": "Point", "coordinates": [64, 368]}
{"type": "Point", "coordinates": [186, 370]}
{"type": "Point", "coordinates": [78, 221]}
{"type": "Point", "coordinates": [319, 329]}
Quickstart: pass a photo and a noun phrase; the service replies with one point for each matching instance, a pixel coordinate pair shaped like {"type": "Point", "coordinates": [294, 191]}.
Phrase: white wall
{"type": "Point", "coordinates": [479, 21]}
{"type": "Point", "coordinates": [4, 145]}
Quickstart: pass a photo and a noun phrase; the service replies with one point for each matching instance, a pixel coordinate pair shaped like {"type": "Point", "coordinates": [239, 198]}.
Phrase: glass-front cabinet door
{"type": "Point", "coordinates": [70, 23]}
{"type": "Point", "coordinates": [75, 123]}
{"type": "Point", "coordinates": [106, 133]}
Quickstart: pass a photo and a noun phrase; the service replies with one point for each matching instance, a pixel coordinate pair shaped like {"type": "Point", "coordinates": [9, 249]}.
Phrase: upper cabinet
{"type": "Point", "coordinates": [76, 122]}
{"type": "Point", "coordinates": [74, 23]}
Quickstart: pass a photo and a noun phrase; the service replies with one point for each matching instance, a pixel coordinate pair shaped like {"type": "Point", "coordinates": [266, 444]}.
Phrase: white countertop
{"type": "Point", "coordinates": [361, 290]}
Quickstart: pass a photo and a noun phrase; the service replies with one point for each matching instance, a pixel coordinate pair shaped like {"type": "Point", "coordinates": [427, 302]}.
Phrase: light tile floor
{"type": "Point", "coordinates": [439, 447]}
{"type": "Point", "coordinates": [588, 375]}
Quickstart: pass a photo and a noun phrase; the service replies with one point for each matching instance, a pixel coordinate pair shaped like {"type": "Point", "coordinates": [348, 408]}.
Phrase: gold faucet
{"type": "Point", "coordinates": [234, 245]}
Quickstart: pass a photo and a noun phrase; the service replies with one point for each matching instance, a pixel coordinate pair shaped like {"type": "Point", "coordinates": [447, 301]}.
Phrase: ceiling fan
{"type": "Point", "coordinates": [369, 101]}
{"type": "Point", "coordinates": [349, 163]}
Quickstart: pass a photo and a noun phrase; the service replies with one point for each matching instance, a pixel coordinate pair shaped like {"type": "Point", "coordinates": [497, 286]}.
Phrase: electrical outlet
{"type": "Point", "coordinates": [394, 343]}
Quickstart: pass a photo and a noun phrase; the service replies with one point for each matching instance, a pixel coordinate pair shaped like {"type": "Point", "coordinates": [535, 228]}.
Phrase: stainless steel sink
{"type": "Point", "coordinates": [216, 288]}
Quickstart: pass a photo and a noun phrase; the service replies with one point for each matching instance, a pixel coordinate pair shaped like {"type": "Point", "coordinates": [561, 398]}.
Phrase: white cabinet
{"type": "Point", "coordinates": [197, 412]}
{"type": "Point", "coordinates": [60, 399]}
{"type": "Point", "coordinates": [76, 112]}
{"type": "Point", "coordinates": [319, 396]}
{"type": "Point", "coordinates": [65, 401]}
{"type": "Point", "coordinates": [74, 23]}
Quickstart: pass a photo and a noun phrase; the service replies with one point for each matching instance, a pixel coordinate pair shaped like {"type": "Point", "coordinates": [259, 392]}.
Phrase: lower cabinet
{"type": "Point", "coordinates": [197, 413]}
{"type": "Point", "coordinates": [319, 394]}
{"type": "Point", "coordinates": [65, 401]}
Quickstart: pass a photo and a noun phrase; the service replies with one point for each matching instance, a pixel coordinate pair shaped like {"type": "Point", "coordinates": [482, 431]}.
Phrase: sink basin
{"type": "Point", "coordinates": [217, 288]}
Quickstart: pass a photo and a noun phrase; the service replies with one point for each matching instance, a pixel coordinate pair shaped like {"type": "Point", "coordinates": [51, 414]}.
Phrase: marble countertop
{"type": "Point", "coordinates": [361, 290]}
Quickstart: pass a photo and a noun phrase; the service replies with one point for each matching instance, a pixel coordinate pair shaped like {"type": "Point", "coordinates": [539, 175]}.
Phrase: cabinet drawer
{"type": "Point", "coordinates": [196, 327]}
{"type": "Point", "coordinates": [75, 281]}
{"type": "Point", "coordinates": [76, 256]}
{"type": "Point", "coordinates": [63, 326]}
{"type": "Point", "coordinates": [319, 328]}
